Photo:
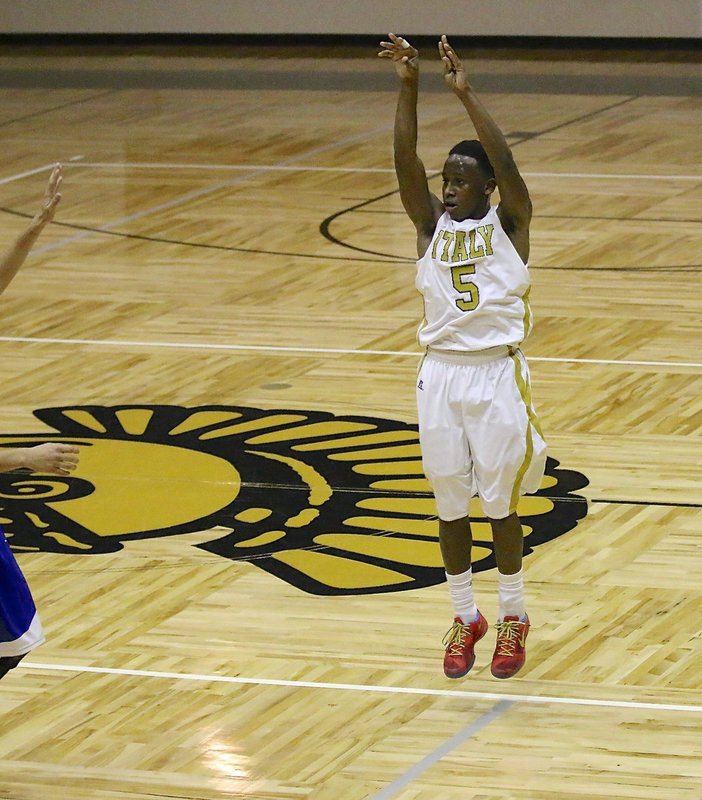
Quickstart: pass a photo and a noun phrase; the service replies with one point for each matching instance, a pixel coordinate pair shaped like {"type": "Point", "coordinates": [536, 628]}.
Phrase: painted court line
{"type": "Point", "coordinates": [613, 176]}
{"type": "Point", "coordinates": [387, 170]}
{"type": "Point", "coordinates": [355, 687]}
{"type": "Point", "coordinates": [321, 350]}
{"type": "Point", "coordinates": [19, 175]}
{"type": "Point", "coordinates": [443, 750]}
{"type": "Point", "coordinates": [224, 167]}
{"type": "Point", "coordinates": [208, 190]}
{"type": "Point", "coordinates": [287, 167]}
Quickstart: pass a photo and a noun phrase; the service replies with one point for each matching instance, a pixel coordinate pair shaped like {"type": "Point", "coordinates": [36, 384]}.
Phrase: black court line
{"type": "Point", "coordinates": [205, 245]}
{"type": "Point", "coordinates": [656, 503]}
{"type": "Point", "coordinates": [379, 257]}
{"type": "Point", "coordinates": [382, 259]}
{"type": "Point", "coordinates": [253, 558]}
{"type": "Point", "coordinates": [56, 108]}
{"type": "Point", "coordinates": [588, 115]}
{"type": "Point", "coordinates": [325, 224]}
{"type": "Point", "coordinates": [415, 494]}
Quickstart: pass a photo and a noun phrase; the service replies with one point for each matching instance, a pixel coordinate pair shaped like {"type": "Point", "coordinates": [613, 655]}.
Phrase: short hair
{"type": "Point", "coordinates": [473, 149]}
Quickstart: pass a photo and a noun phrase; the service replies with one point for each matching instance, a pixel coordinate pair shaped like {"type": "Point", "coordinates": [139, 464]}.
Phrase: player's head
{"type": "Point", "coordinates": [469, 180]}
{"type": "Point", "coordinates": [471, 148]}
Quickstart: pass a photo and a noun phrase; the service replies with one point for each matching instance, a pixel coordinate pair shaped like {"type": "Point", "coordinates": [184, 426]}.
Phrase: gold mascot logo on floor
{"type": "Point", "coordinates": [335, 505]}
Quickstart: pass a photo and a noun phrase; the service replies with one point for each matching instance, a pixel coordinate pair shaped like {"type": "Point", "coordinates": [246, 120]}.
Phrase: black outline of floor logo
{"type": "Point", "coordinates": [331, 504]}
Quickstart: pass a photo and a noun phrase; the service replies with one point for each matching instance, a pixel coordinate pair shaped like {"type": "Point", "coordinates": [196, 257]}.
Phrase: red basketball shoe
{"type": "Point", "coordinates": [510, 652]}
{"type": "Point", "coordinates": [460, 642]}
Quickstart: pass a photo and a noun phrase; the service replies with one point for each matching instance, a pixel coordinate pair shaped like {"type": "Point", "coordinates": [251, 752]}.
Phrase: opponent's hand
{"type": "Point", "coordinates": [55, 458]}
{"type": "Point", "coordinates": [454, 73]}
{"type": "Point", "coordinates": [52, 196]}
{"type": "Point", "coordinates": [404, 57]}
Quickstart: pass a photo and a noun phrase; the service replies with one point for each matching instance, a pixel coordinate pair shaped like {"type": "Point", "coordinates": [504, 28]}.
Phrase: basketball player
{"type": "Point", "coordinates": [20, 628]}
{"type": "Point", "coordinates": [477, 428]}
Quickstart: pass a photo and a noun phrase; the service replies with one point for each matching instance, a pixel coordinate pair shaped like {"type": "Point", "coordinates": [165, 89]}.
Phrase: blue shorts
{"type": "Point", "coordinates": [20, 628]}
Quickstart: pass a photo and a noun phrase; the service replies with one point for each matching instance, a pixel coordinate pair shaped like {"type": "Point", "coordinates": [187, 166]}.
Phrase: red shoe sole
{"type": "Point", "coordinates": [504, 677]}
{"type": "Point", "coordinates": [455, 675]}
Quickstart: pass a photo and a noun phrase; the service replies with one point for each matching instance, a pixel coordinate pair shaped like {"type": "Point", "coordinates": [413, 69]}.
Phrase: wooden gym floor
{"type": "Point", "coordinates": [241, 586]}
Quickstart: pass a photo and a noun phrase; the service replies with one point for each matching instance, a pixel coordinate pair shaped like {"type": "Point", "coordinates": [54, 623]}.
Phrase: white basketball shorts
{"type": "Point", "coordinates": [478, 430]}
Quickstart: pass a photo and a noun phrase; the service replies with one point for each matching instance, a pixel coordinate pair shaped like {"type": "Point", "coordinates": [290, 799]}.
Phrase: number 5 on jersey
{"type": "Point", "coordinates": [463, 286]}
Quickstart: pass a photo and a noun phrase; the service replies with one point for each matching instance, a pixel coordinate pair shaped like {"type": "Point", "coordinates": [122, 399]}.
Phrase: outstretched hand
{"type": "Point", "coordinates": [52, 196]}
{"type": "Point", "coordinates": [13, 258]}
{"type": "Point", "coordinates": [454, 73]}
{"type": "Point", "coordinates": [404, 57]}
{"type": "Point", "coordinates": [55, 458]}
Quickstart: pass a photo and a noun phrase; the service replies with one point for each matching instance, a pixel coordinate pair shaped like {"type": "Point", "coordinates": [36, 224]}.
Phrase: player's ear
{"type": "Point", "coordinates": [490, 187]}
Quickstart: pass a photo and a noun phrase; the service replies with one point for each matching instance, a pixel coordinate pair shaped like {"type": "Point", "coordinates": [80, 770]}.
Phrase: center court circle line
{"type": "Point", "coordinates": [208, 190]}
{"type": "Point", "coordinates": [252, 172]}
{"type": "Point", "coordinates": [322, 350]}
{"type": "Point", "coordinates": [356, 687]}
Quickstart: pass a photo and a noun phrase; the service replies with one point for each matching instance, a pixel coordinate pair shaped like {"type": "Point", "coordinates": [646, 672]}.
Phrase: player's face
{"type": "Point", "coordinates": [466, 190]}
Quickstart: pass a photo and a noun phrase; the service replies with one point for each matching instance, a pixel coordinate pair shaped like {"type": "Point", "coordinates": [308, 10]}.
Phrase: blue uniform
{"type": "Point", "coordinates": [20, 628]}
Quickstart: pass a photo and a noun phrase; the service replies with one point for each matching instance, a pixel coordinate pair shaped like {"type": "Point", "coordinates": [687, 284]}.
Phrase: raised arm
{"type": "Point", "coordinates": [54, 458]}
{"type": "Point", "coordinates": [422, 207]}
{"type": "Point", "coordinates": [13, 259]}
{"type": "Point", "coordinates": [514, 209]}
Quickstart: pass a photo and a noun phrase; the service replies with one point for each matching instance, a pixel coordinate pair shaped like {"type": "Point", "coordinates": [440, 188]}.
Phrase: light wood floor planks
{"type": "Point", "coordinates": [222, 249]}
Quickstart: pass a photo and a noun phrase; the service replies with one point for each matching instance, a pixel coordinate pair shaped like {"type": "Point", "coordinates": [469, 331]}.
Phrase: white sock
{"type": "Point", "coordinates": [461, 591]}
{"type": "Point", "coordinates": [511, 594]}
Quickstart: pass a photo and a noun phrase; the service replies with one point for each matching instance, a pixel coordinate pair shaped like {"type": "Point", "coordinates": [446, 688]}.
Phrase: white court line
{"type": "Point", "coordinates": [257, 167]}
{"type": "Point", "coordinates": [391, 171]}
{"type": "Point", "coordinates": [26, 174]}
{"type": "Point", "coordinates": [178, 201]}
{"type": "Point", "coordinates": [359, 687]}
{"type": "Point", "coordinates": [613, 176]}
{"type": "Point", "coordinates": [290, 168]}
{"type": "Point", "coordinates": [322, 350]}
{"type": "Point", "coordinates": [624, 362]}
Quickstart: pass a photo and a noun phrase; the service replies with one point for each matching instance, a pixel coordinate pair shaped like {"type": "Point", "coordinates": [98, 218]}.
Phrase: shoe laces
{"type": "Point", "coordinates": [507, 637]}
{"type": "Point", "coordinates": [454, 638]}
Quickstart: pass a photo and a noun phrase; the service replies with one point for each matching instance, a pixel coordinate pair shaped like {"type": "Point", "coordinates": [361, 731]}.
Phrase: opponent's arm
{"type": "Point", "coordinates": [422, 207]}
{"type": "Point", "coordinates": [13, 259]}
{"type": "Point", "coordinates": [54, 458]}
{"type": "Point", "coordinates": [515, 204]}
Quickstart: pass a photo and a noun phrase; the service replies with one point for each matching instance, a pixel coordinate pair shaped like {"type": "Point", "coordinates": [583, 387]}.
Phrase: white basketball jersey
{"type": "Point", "coordinates": [475, 287]}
